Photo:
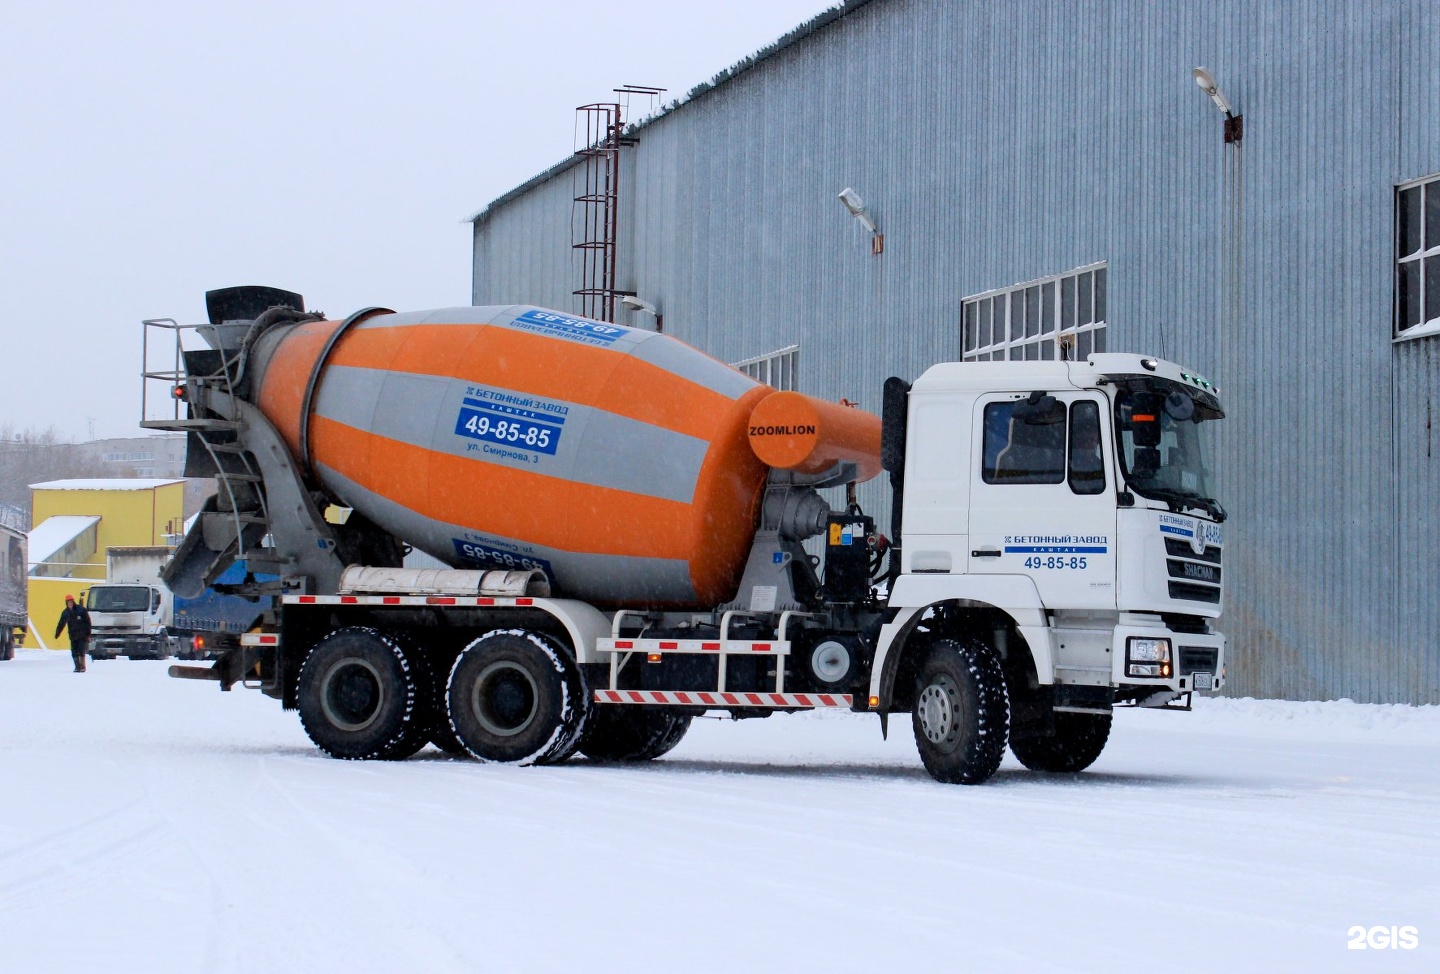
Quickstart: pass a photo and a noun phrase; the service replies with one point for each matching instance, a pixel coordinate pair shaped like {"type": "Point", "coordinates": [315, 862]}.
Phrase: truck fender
{"type": "Point", "coordinates": [582, 621]}
{"type": "Point", "coordinates": [914, 595]}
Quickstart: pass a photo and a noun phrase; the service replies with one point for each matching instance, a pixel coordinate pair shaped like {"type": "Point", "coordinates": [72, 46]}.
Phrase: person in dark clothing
{"type": "Point", "coordinates": [77, 618]}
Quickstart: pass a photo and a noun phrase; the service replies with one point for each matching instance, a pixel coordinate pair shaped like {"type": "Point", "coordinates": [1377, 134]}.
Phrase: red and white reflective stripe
{"type": "Point", "coordinates": [727, 698]}
{"type": "Point", "coordinates": [654, 647]}
{"type": "Point", "coordinates": [456, 600]}
{"type": "Point", "coordinates": [260, 639]}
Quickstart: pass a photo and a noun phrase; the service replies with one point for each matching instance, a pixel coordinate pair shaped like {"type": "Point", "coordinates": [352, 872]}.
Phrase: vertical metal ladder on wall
{"type": "Point", "coordinates": [594, 219]}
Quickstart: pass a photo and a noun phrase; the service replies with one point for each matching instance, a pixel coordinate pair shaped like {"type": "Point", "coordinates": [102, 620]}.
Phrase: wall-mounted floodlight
{"type": "Point", "coordinates": [1207, 84]}
{"type": "Point", "coordinates": [1234, 124]}
{"type": "Point", "coordinates": [856, 206]}
{"type": "Point", "coordinates": [633, 303]}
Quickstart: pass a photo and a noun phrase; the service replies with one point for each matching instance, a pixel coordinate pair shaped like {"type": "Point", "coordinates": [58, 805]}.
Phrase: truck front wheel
{"type": "Point", "coordinates": [517, 697]}
{"type": "Point", "coordinates": [357, 695]}
{"type": "Point", "coordinates": [962, 715]}
{"type": "Point", "coordinates": [625, 733]}
{"type": "Point", "coordinates": [1077, 742]}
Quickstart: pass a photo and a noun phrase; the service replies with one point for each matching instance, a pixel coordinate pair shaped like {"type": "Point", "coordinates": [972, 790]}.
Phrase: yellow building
{"type": "Point", "coordinates": [76, 523]}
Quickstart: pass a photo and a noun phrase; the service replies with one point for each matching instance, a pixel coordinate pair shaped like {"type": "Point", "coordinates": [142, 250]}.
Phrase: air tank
{"type": "Point", "coordinates": [614, 460]}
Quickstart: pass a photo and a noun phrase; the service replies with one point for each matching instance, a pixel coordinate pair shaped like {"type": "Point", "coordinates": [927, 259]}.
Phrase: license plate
{"type": "Point", "coordinates": [1202, 681]}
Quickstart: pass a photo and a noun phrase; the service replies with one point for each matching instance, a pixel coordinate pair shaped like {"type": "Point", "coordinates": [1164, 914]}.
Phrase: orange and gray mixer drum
{"type": "Point", "coordinates": [613, 459]}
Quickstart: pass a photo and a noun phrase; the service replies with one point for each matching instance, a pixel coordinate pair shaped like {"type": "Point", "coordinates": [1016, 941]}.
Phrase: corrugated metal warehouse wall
{"type": "Point", "coordinates": [998, 143]}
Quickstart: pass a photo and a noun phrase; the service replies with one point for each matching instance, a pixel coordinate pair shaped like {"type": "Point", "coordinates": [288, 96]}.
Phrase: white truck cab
{"type": "Point", "coordinates": [132, 612]}
{"type": "Point", "coordinates": [1076, 499]}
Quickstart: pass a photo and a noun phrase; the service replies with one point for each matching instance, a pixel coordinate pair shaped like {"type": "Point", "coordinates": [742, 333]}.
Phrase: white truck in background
{"type": "Point", "coordinates": [132, 613]}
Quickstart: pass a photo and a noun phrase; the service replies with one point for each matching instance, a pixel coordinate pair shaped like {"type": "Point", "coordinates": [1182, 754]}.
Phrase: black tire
{"type": "Point", "coordinates": [1078, 741]}
{"type": "Point", "coordinates": [442, 735]}
{"type": "Point", "coordinates": [7, 643]}
{"type": "Point", "coordinates": [625, 733]}
{"type": "Point", "coordinates": [438, 729]}
{"type": "Point", "coordinates": [962, 716]}
{"type": "Point", "coordinates": [428, 700]}
{"type": "Point", "coordinates": [517, 697]}
{"type": "Point", "coordinates": [358, 695]}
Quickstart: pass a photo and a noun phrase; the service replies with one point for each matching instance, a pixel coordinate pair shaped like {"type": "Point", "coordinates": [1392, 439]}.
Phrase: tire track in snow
{"type": "Point", "coordinates": [67, 863]}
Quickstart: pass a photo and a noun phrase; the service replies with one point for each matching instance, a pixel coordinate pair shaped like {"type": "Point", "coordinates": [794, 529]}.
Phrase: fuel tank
{"type": "Point", "coordinates": [614, 460]}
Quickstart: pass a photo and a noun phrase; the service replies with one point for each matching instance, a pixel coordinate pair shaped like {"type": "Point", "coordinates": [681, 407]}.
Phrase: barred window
{"type": "Point", "coordinates": [1417, 258]}
{"type": "Point", "coordinates": [779, 369]}
{"type": "Point", "coordinates": [1055, 317]}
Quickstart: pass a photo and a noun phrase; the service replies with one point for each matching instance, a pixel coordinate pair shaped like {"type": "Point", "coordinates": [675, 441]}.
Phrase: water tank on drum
{"type": "Point", "coordinates": [615, 460]}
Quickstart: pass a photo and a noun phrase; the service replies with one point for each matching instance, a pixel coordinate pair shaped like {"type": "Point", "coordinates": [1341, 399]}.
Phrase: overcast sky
{"type": "Point", "coordinates": [152, 151]}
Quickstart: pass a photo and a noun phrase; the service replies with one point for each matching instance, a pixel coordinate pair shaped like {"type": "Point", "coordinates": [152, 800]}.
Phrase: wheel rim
{"type": "Point", "coordinates": [352, 694]}
{"type": "Point", "coordinates": [939, 711]}
{"type": "Point", "coordinates": [504, 699]}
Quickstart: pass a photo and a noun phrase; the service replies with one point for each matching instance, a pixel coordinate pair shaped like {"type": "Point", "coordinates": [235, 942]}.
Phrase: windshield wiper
{"type": "Point", "coordinates": [1179, 499]}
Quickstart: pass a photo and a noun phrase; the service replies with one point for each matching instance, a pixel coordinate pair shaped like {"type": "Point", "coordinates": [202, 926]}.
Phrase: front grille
{"type": "Point", "coordinates": [1197, 659]}
{"type": "Point", "coordinates": [1182, 549]}
{"type": "Point", "coordinates": [1193, 571]}
{"type": "Point", "coordinates": [1194, 577]}
{"type": "Point", "coordinates": [1194, 593]}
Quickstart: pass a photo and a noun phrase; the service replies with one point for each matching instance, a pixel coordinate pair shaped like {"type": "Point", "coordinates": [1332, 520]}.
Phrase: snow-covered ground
{"type": "Point", "coordinates": [154, 825]}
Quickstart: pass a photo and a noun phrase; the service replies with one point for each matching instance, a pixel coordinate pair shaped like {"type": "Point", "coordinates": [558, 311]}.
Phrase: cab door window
{"type": "Point", "coordinates": [1024, 442]}
{"type": "Point", "coordinates": [1086, 468]}
{"type": "Point", "coordinates": [1036, 441]}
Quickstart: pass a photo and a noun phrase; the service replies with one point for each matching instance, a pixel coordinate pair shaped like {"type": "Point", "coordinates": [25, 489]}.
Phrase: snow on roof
{"type": "Point", "coordinates": [109, 483]}
{"type": "Point", "coordinates": [54, 533]}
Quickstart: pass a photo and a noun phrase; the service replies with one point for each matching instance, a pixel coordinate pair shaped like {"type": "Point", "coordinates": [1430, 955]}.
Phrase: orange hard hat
{"type": "Point", "coordinates": [69, 598]}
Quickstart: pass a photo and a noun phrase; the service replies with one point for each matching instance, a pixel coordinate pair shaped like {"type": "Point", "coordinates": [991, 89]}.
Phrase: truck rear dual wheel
{"type": "Point", "coordinates": [627, 733]}
{"type": "Point", "coordinates": [517, 697]}
{"type": "Point", "coordinates": [359, 696]}
{"type": "Point", "coordinates": [1077, 742]}
{"type": "Point", "coordinates": [962, 715]}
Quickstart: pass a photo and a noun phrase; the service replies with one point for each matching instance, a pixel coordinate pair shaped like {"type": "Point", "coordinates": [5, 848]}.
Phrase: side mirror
{"type": "Point", "coordinates": [1145, 423]}
{"type": "Point", "coordinates": [1039, 409]}
{"type": "Point", "coordinates": [1179, 407]}
{"type": "Point", "coordinates": [1147, 462]}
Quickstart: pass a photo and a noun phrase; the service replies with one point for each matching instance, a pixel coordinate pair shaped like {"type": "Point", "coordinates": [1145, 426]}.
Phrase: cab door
{"type": "Point", "coordinates": [1042, 495]}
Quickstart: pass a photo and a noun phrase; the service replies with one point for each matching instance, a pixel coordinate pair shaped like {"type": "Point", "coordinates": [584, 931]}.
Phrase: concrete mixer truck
{"type": "Point", "coordinates": [626, 522]}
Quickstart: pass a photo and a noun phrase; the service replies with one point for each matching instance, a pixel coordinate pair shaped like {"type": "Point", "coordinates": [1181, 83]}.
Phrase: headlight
{"type": "Point", "coordinates": [1147, 657]}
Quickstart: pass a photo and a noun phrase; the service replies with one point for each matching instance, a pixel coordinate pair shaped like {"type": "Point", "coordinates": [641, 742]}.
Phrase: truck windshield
{"type": "Point", "coordinates": [1165, 448]}
{"type": "Point", "coordinates": [119, 598]}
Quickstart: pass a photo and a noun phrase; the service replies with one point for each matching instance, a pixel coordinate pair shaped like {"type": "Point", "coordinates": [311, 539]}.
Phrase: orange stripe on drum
{"type": "Point", "coordinates": [287, 374]}
{"type": "Point", "coordinates": [536, 365]}
{"type": "Point", "coordinates": [727, 501]}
